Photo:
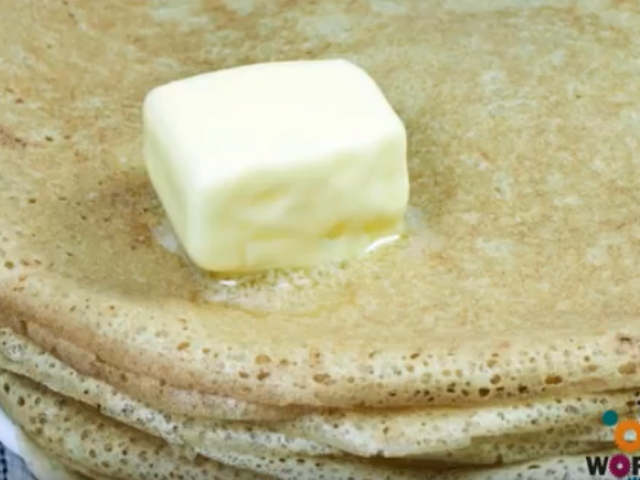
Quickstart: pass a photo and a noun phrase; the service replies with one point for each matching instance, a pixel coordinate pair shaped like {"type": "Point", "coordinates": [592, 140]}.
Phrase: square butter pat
{"type": "Point", "coordinates": [275, 165]}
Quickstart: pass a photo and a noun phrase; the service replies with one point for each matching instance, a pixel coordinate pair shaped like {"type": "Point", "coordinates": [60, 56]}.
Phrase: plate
{"type": "Point", "coordinates": [9, 434]}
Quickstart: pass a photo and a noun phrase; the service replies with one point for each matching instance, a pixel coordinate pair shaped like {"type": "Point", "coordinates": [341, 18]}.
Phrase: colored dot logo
{"type": "Point", "coordinates": [610, 418]}
{"type": "Point", "coordinates": [620, 465]}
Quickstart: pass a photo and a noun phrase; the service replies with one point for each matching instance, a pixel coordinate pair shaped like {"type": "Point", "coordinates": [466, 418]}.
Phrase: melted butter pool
{"type": "Point", "coordinates": [302, 291]}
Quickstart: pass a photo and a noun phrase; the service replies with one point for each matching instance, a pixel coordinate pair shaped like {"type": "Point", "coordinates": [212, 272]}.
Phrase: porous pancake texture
{"type": "Point", "coordinates": [508, 313]}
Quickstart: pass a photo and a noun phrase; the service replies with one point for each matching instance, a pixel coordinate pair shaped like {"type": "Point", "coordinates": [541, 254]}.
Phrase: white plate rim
{"type": "Point", "coordinates": [9, 434]}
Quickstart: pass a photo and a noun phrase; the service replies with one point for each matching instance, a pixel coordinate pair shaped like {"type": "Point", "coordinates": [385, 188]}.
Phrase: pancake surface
{"type": "Point", "coordinates": [44, 465]}
{"type": "Point", "coordinates": [486, 435]}
{"type": "Point", "coordinates": [97, 446]}
{"type": "Point", "coordinates": [519, 272]}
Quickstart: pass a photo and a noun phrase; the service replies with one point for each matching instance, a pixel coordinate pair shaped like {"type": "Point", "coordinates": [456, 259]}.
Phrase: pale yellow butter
{"type": "Point", "coordinates": [277, 165]}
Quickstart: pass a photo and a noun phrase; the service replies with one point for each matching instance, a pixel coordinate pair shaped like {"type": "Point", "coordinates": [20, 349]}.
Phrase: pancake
{"type": "Point", "coordinates": [22, 357]}
{"type": "Point", "coordinates": [482, 436]}
{"type": "Point", "coordinates": [156, 392]}
{"type": "Point", "coordinates": [518, 277]}
{"type": "Point", "coordinates": [46, 466]}
{"type": "Point", "coordinates": [484, 344]}
{"type": "Point", "coordinates": [80, 435]}
{"type": "Point", "coordinates": [97, 444]}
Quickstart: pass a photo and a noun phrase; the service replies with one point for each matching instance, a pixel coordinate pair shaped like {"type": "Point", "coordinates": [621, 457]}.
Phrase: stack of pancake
{"type": "Point", "coordinates": [485, 344]}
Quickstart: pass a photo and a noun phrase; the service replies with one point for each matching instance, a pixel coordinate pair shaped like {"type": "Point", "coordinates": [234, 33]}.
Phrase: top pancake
{"type": "Point", "coordinates": [520, 271]}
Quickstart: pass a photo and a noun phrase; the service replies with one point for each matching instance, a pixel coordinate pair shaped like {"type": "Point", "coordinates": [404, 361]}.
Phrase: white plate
{"type": "Point", "coordinates": [9, 434]}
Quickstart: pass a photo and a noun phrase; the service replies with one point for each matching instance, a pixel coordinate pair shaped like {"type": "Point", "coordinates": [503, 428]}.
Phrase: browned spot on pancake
{"type": "Point", "coordinates": [70, 12]}
{"type": "Point", "coordinates": [130, 195]}
{"type": "Point", "coordinates": [10, 139]}
{"type": "Point", "coordinates": [626, 344]}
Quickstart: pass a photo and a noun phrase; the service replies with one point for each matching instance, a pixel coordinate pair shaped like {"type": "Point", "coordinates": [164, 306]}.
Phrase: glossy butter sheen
{"type": "Point", "coordinates": [277, 165]}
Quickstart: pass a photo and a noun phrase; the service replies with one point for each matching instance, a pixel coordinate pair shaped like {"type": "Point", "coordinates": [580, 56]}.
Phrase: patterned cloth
{"type": "Point", "coordinates": [12, 467]}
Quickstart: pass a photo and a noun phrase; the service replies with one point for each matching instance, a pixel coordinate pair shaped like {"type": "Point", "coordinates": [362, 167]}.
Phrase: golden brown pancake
{"type": "Point", "coordinates": [80, 435]}
{"type": "Point", "coordinates": [519, 278]}
{"type": "Point", "coordinates": [515, 284]}
{"type": "Point", "coordinates": [46, 466]}
{"type": "Point", "coordinates": [92, 443]}
{"type": "Point", "coordinates": [427, 438]}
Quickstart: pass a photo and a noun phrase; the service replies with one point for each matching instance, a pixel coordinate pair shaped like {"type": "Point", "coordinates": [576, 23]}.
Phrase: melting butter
{"type": "Point", "coordinates": [278, 165]}
{"type": "Point", "coordinates": [305, 291]}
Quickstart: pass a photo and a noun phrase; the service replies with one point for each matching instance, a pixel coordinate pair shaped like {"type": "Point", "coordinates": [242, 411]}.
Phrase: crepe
{"type": "Point", "coordinates": [518, 276]}
{"type": "Point", "coordinates": [96, 444]}
{"type": "Point", "coordinates": [45, 466]}
{"type": "Point", "coordinates": [508, 310]}
{"type": "Point", "coordinates": [481, 436]}
{"type": "Point", "coordinates": [81, 436]}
